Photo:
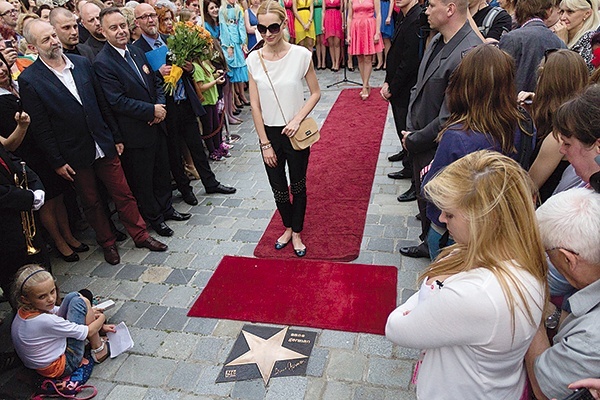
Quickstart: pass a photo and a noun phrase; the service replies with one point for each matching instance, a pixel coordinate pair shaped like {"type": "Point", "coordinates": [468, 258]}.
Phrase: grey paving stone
{"type": "Point", "coordinates": [337, 390]}
{"type": "Point", "coordinates": [105, 270]}
{"type": "Point", "coordinates": [406, 293]}
{"type": "Point", "coordinates": [289, 387]}
{"type": "Point", "coordinates": [368, 393]}
{"type": "Point", "coordinates": [261, 214]}
{"type": "Point", "coordinates": [374, 345]}
{"type": "Point", "coordinates": [249, 390]}
{"type": "Point", "coordinates": [173, 320]}
{"type": "Point", "coordinates": [179, 244]}
{"type": "Point", "coordinates": [130, 272]}
{"type": "Point", "coordinates": [395, 232]}
{"type": "Point", "coordinates": [317, 361]}
{"type": "Point", "coordinates": [374, 230]}
{"type": "Point", "coordinates": [180, 260]}
{"type": "Point", "coordinates": [201, 220]}
{"type": "Point", "coordinates": [381, 244]}
{"type": "Point", "coordinates": [337, 339]}
{"type": "Point", "coordinates": [177, 345]}
{"type": "Point", "coordinates": [225, 327]}
{"type": "Point", "coordinates": [180, 296]}
{"type": "Point", "coordinates": [207, 386]}
{"type": "Point", "coordinates": [130, 312]}
{"type": "Point", "coordinates": [245, 235]}
{"type": "Point", "coordinates": [388, 372]}
{"type": "Point", "coordinates": [156, 258]}
{"type": "Point", "coordinates": [104, 388]}
{"type": "Point", "coordinates": [147, 341]}
{"type": "Point", "coordinates": [180, 276]}
{"type": "Point", "coordinates": [208, 349]}
{"type": "Point", "coordinates": [108, 369]}
{"type": "Point", "coordinates": [159, 394]}
{"type": "Point", "coordinates": [346, 365]}
{"type": "Point", "coordinates": [387, 259]}
{"type": "Point", "coordinates": [74, 283]}
{"type": "Point", "coordinates": [315, 388]}
{"type": "Point", "coordinates": [151, 317]}
{"type": "Point", "coordinates": [126, 392]}
{"type": "Point", "coordinates": [126, 290]}
{"type": "Point", "coordinates": [152, 293]}
{"type": "Point", "coordinates": [185, 376]}
{"type": "Point", "coordinates": [203, 326]}
{"type": "Point", "coordinates": [406, 353]}
{"type": "Point", "coordinates": [144, 370]}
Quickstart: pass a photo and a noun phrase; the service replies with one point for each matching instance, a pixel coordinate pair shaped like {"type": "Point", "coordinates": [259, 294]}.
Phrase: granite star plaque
{"type": "Point", "coordinates": [267, 352]}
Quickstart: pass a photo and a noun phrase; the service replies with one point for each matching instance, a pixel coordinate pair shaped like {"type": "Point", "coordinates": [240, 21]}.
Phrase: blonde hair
{"type": "Point", "coordinates": [590, 23]}
{"type": "Point", "coordinates": [495, 195]}
{"type": "Point", "coordinates": [27, 277]}
{"type": "Point", "coordinates": [273, 7]}
{"type": "Point", "coordinates": [23, 19]}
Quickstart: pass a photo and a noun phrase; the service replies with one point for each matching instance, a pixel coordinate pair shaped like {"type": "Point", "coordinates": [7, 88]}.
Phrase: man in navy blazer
{"type": "Point", "coordinates": [136, 97]}
{"type": "Point", "coordinates": [73, 125]}
{"type": "Point", "coordinates": [182, 113]}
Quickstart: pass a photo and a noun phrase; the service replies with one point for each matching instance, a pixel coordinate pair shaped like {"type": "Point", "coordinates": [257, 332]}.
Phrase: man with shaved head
{"type": "Point", "coordinates": [90, 18]}
{"type": "Point", "coordinates": [65, 24]}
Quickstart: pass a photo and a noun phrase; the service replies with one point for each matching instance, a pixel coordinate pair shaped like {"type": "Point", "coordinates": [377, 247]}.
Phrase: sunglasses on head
{"type": "Point", "coordinates": [273, 28]}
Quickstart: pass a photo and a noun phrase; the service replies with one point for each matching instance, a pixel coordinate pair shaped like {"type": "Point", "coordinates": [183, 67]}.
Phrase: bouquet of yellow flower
{"type": "Point", "coordinates": [189, 42]}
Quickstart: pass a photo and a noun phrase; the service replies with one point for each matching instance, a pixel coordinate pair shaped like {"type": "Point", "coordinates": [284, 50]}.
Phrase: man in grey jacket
{"type": "Point", "coordinates": [427, 111]}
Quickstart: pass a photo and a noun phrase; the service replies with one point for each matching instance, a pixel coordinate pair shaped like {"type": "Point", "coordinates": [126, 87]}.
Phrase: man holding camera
{"type": "Point", "coordinates": [183, 109]}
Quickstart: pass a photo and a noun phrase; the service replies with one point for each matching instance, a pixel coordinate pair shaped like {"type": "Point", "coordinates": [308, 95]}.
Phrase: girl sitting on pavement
{"type": "Point", "coordinates": [51, 339]}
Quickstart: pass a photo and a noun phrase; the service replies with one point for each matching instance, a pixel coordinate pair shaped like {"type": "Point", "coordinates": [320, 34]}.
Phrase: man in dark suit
{"type": "Point", "coordinates": [427, 111]}
{"type": "Point", "coordinates": [401, 75]}
{"type": "Point", "coordinates": [73, 125]}
{"type": "Point", "coordinates": [65, 24]}
{"type": "Point", "coordinates": [14, 200]}
{"type": "Point", "coordinates": [90, 18]}
{"type": "Point", "coordinates": [183, 108]}
{"type": "Point", "coordinates": [136, 97]}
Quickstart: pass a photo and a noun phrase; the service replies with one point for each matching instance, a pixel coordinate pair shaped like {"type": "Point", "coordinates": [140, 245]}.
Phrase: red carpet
{"type": "Point", "coordinates": [340, 175]}
{"type": "Point", "coordinates": [318, 294]}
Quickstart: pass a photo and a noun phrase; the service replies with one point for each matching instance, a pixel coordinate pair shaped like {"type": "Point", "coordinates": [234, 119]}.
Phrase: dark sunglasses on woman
{"type": "Point", "coordinates": [273, 28]}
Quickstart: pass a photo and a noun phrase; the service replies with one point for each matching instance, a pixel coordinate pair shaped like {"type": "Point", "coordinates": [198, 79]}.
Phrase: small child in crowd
{"type": "Point", "coordinates": [51, 339]}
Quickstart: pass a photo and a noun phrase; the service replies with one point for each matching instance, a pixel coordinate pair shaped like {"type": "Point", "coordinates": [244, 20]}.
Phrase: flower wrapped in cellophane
{"type": "Point", "coordinates": [189, 42]}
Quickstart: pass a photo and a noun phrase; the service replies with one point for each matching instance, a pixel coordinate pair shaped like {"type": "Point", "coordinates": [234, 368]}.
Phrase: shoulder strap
{"type": "Point", "coordinates": [262, 62]}
{"type": "Point", "coordinates": [489, 20]}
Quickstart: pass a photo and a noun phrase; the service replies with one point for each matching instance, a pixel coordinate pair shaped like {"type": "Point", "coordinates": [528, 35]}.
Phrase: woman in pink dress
{"type": "Point", "coordinates": [364, 38]}
{"type": "Point", "coordinates": [289, 5]}
{"type": "Point", "coordinates": [333, 31]}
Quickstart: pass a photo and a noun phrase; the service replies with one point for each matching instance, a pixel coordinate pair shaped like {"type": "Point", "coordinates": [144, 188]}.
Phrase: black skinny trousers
{"type": "Point", "coordinates": [292, 212]}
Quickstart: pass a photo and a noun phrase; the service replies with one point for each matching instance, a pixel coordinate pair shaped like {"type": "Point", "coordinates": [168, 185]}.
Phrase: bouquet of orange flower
{"type": "Point", "coordinates": [189, 42]}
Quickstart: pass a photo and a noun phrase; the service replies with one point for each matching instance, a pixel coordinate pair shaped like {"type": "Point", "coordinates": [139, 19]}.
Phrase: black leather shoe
{"type": "Point", "coordinates": [418, 217]}
{"type": "Point", "coordinates": [111, 255]}
{"type": "Point", "coordinates": [420, 251]}
{"type": "Point", "coordinates": [82, 248]}
{"type": "Point", "coordinates": [397, 157]}
{"type": "Point", "coordinates": [221, 189]}
{"type": "Point", "coordinates": [190, 198]}
{"type": "Point", "coordinates": [120, 236]}
{"type": "Point", "coordinates": [70, 258]}
{"type": "Point", "coordinates": [409, 195]}
{"type": "Point", "coordinates": [402, 174]}
{"type": "Point", "coordinates": [177, 216]}
{"type": "Point", "coordinates": [163, 229]}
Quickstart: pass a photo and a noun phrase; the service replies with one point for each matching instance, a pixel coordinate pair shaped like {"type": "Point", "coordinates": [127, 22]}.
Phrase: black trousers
{"type": "Point", "coordinates": [292, 212]}
{"type": "Point", "coordinates": [420, 161]}
{"type": "Point", "coordinates": [400, 112]}
{"type": "Point", "coordinates": [183, 127]}
{"type": "Point", "coordinates": [147, 172]}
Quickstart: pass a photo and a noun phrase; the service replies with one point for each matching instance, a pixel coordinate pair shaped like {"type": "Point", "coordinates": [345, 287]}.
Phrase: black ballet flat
{"type": "Point", "coordinates": [300, 252]}
{"type": "Point", "coordinates": [82, 248]}
{"type": "Point", "coordinates": [246, 103]}
{"type": "Point", "coordinates": [70, 258]}
{"type": "Point", "coordinates": [236, 112]}
{"type": "Point", "coordinates": [351, 69]}
{"type": "Point", "coordinates": [279, 245]}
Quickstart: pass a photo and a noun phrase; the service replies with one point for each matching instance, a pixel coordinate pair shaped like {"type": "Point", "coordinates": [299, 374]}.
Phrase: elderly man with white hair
{"type": "Point", "coordinates": [569, 225]}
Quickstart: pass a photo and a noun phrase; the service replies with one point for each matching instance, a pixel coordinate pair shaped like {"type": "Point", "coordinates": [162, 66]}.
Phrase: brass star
{"type": "Point", "coordinates": [265, 353]}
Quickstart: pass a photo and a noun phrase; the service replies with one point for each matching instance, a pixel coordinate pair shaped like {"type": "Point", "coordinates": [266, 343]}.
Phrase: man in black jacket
{"type": "Point", "coordinates": [74, 127]}
{"type": "Point", "coordinates": [65, 24]}
{"type": "Point", "coordinates": [401, 75]}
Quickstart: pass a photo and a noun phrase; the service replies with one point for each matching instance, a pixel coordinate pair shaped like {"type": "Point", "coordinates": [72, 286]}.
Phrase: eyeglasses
{"type": "Point", "coordinates": [145, 17]}
{"type": "Point", "coordinates": [13, 11]}
{"type": "Point", "coordinates": [273, 28]}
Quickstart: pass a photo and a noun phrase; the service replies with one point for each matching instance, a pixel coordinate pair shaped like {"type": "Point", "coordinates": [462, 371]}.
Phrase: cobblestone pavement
{"type": "Point", "coordinates": [176, 357]}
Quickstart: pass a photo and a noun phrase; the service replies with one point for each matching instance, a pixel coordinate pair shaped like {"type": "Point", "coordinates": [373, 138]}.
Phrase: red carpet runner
{"type": "Point", "coordinates": [340, 175]}
{"type": "Point", "coordinates": [318, 294]}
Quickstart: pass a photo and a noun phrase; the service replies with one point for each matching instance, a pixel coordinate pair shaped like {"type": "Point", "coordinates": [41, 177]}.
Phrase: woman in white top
{"type": "Point", "coordinates": [482, 299]}
{"type": "Point", "coordinates": [287, 66]}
